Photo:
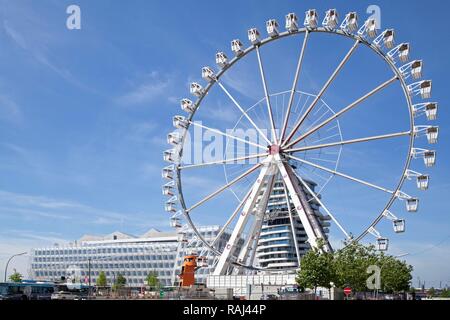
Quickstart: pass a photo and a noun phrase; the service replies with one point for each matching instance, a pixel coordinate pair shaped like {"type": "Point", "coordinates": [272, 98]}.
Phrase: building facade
{"type": "Point", "coordinates": [119, 253]}
{"type": "Point", "coordinates": [282, 237]}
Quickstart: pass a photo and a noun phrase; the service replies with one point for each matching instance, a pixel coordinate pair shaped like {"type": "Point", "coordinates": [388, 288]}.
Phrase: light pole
{"type": "Point", "coordinates": [9, 260]}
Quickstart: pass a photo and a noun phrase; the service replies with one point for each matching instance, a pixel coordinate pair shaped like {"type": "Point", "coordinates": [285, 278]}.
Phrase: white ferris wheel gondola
{"type": "Point", "coordinates": [272, 28]}
{"type": "Point", "coordinates": [350, 22]}
{"type": "Point", "coordinates": [221, 59]}
{"type": "Point", "coordinates": [429, 156]}
{"type": "Point", "coordinates": [382, 243]}
{"type": "Point", "coordinates": [427, 108]}
{"type": "Point", "coordinates": [291, 22]}
{"type": "Point", "coordinates": [398, 224]}
{"type": "Point", "coordinates": [331, 19]}
{"type": "Point", "coordinates": [311, 19]}
{"type": "Point", "coordinates": [369, 28]}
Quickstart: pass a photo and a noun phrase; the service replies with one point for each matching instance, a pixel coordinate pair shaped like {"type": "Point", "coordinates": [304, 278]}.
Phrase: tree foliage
{"type": "Point", "coordinates": [152, 279]}
{"type": "Point", "coordinates": [348, 267]}
{"type": "Point", "coordinates": [445, 293]}
{"type": "Point", "coordinates": [120, 282]}
{"type": "Point", "coordinates": [16, 277]}
{"type": "Point", "coordinates": [101, 280]}
{"type": "Point", "coordinates": [316, 270]}
{"type": "Point", "coordinates": [351, 263]}
{"type": "Point", "coordinates": [395, 274]}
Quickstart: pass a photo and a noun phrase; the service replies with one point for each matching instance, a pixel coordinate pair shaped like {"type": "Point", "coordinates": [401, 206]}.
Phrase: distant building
{"type": "Point", "coordinates": [120, 253]}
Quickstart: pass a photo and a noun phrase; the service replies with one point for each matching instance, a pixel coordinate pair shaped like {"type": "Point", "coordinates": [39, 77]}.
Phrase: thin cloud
{"type": "Point", "coordinates": [29, 206]}
{"type": "Point", "coordinates": [9, 110]}
{"type": "Point", "coordinates": [152, 87]}
{"type": "Point", "coordinates": [35, 38]}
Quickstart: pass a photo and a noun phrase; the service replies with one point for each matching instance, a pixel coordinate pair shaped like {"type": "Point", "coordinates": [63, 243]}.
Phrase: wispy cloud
{"type": "Point", "coordinates": [227, 113]}
{"type": "Point", "coordinates": [153, 86]}
{"type": "Point", "coordinates": [37, 207]}
{"type": "Point", "coordinates": [243, 83]}
{"type": "Point", "coordinates": [10, 110]}
{"type": "Point", "coordinates": [36, 38]}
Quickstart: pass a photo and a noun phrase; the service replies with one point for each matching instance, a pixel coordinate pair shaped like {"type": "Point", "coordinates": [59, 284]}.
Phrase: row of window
{"type": "Point", "coordinates": [47, 273]}
{"type": "Point", "coordinates": [274, 235]}
{"type": "Point", "coordinates": [109, 265]}
{"type": "Point", "coordinates": [279, 255]}
{"type": "Point", "coordinates": [85, 251]}
{"type": "Point", "coordinates": [274, 242]}
{"type": "Point", "coordinates": [109, 258]}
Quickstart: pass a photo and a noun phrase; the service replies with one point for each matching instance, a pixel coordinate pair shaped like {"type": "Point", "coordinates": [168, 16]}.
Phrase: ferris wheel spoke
{"type": "Point", "coordinates": [313, 171]}
{"type": "Point", "coordinates": [341, 112]}
{"type": "Point", "coordinates": [305, 185]}
{"type": "Point", "coordinates": [231, 218]}
{"type": "Point", "coordinates": [321, 92]}
{"type": "Point", "coordinates": [224, 161]}
{"type": "Point", "coordinates": [327, 138]}
{"type": "Point", "coordinates": [245, 114]}
{"type": "Point", "coordinates": [343, 175]}
{"type": "Point", "coordinates": [294, 86]}
{"type": "Point", "coordinates": [227, 135]}
{"type": "Point", "coordinates": [345, 142]}
{"type": "Point", "coordinates": [318, 119]}
{"type": "Point", "coordinates": [266, 94]}
{"type": "Point", "coordinates": [221, 189]}
{"type": "Point", "coordinates": [198, 234]}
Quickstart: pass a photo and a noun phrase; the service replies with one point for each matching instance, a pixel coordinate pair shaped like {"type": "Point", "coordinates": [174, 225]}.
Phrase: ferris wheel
{"type": "Point", "coordinates": [296, 142]}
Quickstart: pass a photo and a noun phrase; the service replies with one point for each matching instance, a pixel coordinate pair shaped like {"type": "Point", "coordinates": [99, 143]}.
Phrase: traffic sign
{"type": "Point", "coordinates": [347, 291]}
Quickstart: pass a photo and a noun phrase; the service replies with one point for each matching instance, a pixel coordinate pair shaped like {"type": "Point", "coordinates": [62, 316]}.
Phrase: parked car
{"type": "Point", "coordinates": [65, 295]}
{"type": "Point", "coordinates": [269, 297]}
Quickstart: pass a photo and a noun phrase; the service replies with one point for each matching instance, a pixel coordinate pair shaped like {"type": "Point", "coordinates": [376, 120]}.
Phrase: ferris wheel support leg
{"type": "Point", "coordinates": [291, 219]}
{"type": "Point", "coordinates": [252, 240]}
{"type": "Point", "coordinates": [309, 220]}
{"type": "Point", "coordinates": [230, 247]}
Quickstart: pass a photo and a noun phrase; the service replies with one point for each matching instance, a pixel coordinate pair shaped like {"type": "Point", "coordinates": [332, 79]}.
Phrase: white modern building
{"type": "Point", "coordinates": [120, 253]}
{"type": "Point", "coordinates": [283, 237]}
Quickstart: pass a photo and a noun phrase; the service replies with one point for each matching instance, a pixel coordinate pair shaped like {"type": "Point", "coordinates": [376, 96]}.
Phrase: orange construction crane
{"type": "Point", "coordinates": [187, 276]}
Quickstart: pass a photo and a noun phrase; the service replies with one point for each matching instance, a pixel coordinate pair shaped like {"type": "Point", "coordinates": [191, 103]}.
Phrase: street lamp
{"type": "Point", "coordinates": [9, 260]}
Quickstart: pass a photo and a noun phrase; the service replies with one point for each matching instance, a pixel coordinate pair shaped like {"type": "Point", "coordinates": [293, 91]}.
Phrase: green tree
{"type": "Point", "coordinates": [121, 281]}
{"type": "Point", "coordinates": [152, 280]}
{"type": "Point", "coordinates": [316, 270]}
{"type": "Point", "coordinates": [431, 293]}
{"type": "Point", "coordinates": [445, 293]}
{"type": "Point", "coordinates": [395, 274]}
{"type": "Point", "coordinates": [351, 263]}
{"type": "Point", "coordinates": [101, 280]}
{"type": "Point", "coordinates": [16, 277]}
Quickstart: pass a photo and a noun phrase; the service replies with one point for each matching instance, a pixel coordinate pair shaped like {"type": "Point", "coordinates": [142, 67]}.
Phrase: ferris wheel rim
{"type": "Point", "coordinates": [280, 36]}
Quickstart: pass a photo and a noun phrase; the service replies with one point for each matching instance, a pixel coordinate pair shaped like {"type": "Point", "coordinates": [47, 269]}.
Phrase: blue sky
{"type": "Point", "coordinates": [84, 114]}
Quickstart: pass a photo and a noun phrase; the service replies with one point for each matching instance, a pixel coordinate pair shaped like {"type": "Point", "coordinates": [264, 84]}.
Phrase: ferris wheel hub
{"type": "Point", "coordinates": [274, 149]}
